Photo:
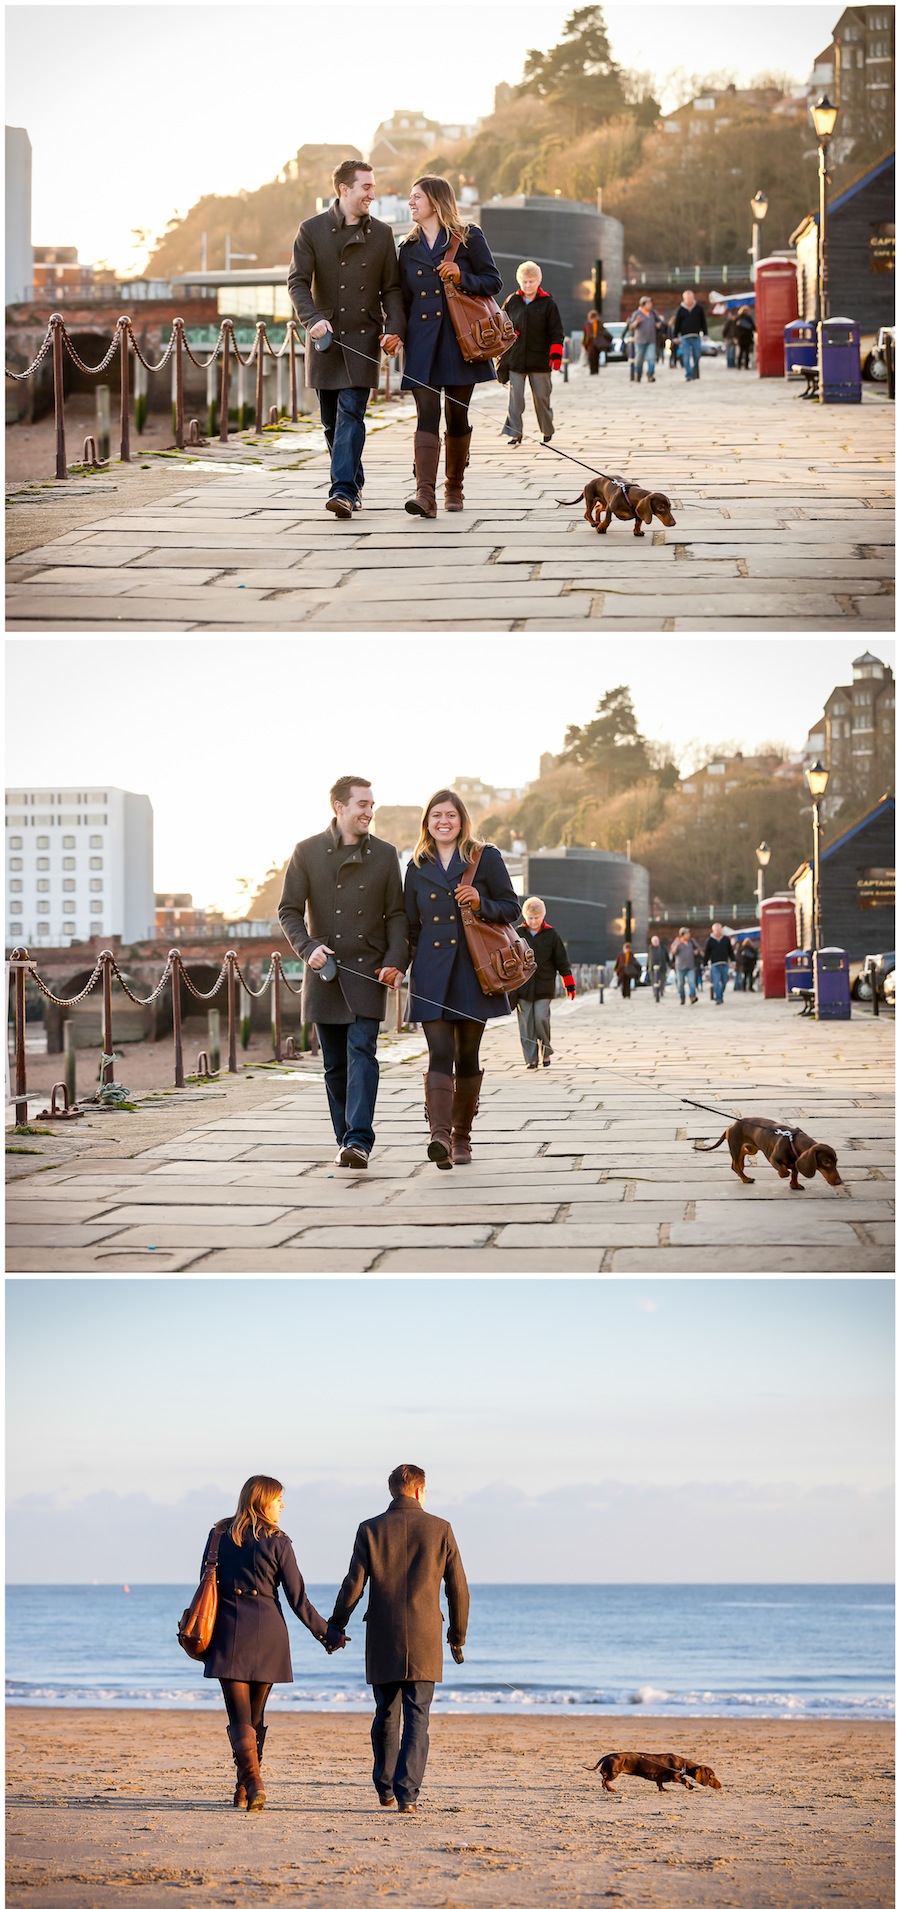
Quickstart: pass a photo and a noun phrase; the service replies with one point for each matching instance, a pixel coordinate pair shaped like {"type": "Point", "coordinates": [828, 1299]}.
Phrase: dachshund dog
{"type": "Point", "coordinates": [788, 1149]}
{"type": "Point", "coordinates": [662, 1769]}
{"type": "Point", "coordinates": [609, 497]}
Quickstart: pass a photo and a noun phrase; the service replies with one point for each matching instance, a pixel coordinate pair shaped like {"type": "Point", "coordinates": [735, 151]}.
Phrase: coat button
{"type": "Point", "coordinates": [359, 957]}
{"type": "Point", "coordinates": [423, 315]}
{"type": "Point", "coordinates": [419, 273]}
{"type": "Point", "coordinates": [453, 941]}
{"type": "Point", "coordinates": [435, 918]}
{"type": "Point", "coordinates": [423, 294]}
{"type": "Point", "coordinates": [437, 944]}
{"type": "Point", "coordinates": [337, 937]}
{"type": "Point", "coordinates": [337, 911]}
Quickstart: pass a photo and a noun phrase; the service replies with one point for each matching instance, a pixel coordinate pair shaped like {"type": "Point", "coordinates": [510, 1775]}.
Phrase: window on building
{"type": "Point", "coordinates": [69, 861]}
{"type": "Point", "coordinates": [69, 908]}
{"type": "Point", "coordinates": [68, 841]}
{"type": "Point", "coordinates": [16, 887]}
{"type": "Point", "coordinates": [96, 861]}
{"type": "Point", "coordinates": [43, 841]}
{"type": "Point", "coordinates": [15, 841]}
{"type": "Point", "coordinates": [96, 885]}
{"type": "Point", "coordinates": [96, 907]}
{"type": "Point", "coordinates": [43, 887]}
{"type": "Point", "coordinates": [15, 861]}
{"type": "Point", "coordinates": [96, 841]}
{"type": "Point", "coordinates": [15, 908]}
{"type": "Point", "coordinates": [69, 887]}
{"type": "Point", "coordinates": [43, 861]}
{"type": "Point", "coordinates": [43, 908]}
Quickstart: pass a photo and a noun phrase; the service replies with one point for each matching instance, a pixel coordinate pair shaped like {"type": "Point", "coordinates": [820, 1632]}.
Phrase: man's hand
{"type": "Point", "coordinates": [465, 892]}
{"type": "Point", "coordinates": [320, 957]}
{"type": "Point", "coordinates": [390, 343]}
{"type": "Point", "coordinates": [319, 330]}
{"type": "Point", "coordinates": [335, 1639]}
{"type": "Point", "coordinates": [391, 977]}
{"type": "Point", "coordinates": [456, 1653]}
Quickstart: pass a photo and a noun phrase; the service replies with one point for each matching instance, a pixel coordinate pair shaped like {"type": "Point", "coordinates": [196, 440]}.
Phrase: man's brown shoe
{"type": "Point", "coordinates": [408, 1809]}
{"type": "Point", "coordinates": [340, 506]}
{"type": "Point", "coordinates": [352, 1157]}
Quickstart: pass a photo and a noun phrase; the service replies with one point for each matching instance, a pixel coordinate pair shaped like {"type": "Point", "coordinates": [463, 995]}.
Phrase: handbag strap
{"type": "Point", "coordinates": [212, 1556]}
{"type": "Point", "coordinates": [452, 249]}
{"type": "Point", "coordinates": [472, 868]}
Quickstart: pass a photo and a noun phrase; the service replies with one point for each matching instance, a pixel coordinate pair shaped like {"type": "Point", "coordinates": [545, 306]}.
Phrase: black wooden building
{"type": "Point", "coordinates": [594, 897]}
{"type": "Point", "coordinates": [569, 241]}
{"type": "Point", "coordinates": [856, 874]}
{"type": "Point", "coordinates": [860, 251]}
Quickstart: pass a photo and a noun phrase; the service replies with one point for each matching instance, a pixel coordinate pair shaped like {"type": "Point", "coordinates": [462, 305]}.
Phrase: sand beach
{"type": "Point", "coordinates": [110, 1805]}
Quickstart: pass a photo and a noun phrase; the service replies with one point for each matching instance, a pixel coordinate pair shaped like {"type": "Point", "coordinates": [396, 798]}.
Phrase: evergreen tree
{"type": "Point", "coordinates": [580, 74]}
{"type": "Point", "coordinates": [611, 746]}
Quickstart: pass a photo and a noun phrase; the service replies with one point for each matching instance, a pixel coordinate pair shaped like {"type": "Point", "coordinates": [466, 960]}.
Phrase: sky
{"type": "Point", "coordinates": [237, 757]}
{"type": "Point", "coordinates": [572, 1430]}
{"type": "Point", "coordinates": [135, 112]}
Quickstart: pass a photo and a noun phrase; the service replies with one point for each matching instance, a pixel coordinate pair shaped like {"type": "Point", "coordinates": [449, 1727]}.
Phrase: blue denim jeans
{"type": "Point", "coordinates": [690, 355]}
{"type": "Point", "coordinates": [688, 975]}
{"type": "Point", "coordinates": [344, 424]}
{"type": "Point", "coordinates": [399, 1760]}
{"type": "Point", "coordinates": [645, 354]}
{"type": "Point", "coordinates": [718, 974]}
{"type": "Point", "coordinates": [351, 1079]}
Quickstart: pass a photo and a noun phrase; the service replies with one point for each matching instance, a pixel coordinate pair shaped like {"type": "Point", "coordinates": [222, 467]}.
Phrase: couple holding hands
{"type": "Point", "coordinates": [404, 1555]}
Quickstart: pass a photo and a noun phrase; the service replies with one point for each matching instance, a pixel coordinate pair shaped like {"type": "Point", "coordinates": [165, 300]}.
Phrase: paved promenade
{"type": "Point", "coordinates": [783, 522]}
{"type": "Point", "coordinates": [588, 1167]}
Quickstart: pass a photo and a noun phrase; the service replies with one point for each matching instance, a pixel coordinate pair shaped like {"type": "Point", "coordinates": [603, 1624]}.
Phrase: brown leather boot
{"type": "Point", "coordinates": [427, 450]}
{"type": "Point", "coordinates": [246, 1752]}
{"type": "Point", "coordinates": [240, 1794]}
{"type": "Point", "coordinates": [438, 1103]}
{"type": "Point", "coordinates": [465, 1107]}
{"type": "Point", "coordinates": [456, 451]}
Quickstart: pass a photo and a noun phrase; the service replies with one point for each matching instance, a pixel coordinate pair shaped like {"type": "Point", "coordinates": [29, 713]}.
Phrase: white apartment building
{"type": "Point", "coordinates": [79, 862]}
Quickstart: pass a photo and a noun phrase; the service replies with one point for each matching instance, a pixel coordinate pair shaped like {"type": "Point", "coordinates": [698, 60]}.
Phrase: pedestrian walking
{"type": "Point", "coordinates": [729, 336]}
{"type": "Point", "coordinates": [344, 284]}
{"type": "Point", "coordinates": [628, 969]}
{"type": "Point", "coordinates": [596, 339]}
{"type": "Point", "coordinates": [642, 329]}
{"type": "Point", "coordinates": [745, 326]}
{"type": "Point", "coordinates": [688, 326]}
{"type": "Point", "coordinates": [749, 959]}
{"type": "Point", "coordinates": [682, 957]}
{"type": "Point", "coordinates": [404, 1555]}
{"type": "Point", "coordinates": [658, 965]}
{"type": "Point", "coordinates": [342, 911]}
{"type": "Point", "coordinates": [536, 354]}
{"type": "Point", "coordinates": [250, 1648]}
{"type": "Point", "coordinates": [719, 953]}
{"type": "Point", "coordinates": [433, 361]}
{"type": "Point", "coordinates": [534, 997]}
{"type": "Point", "coordinates": [444, 992]}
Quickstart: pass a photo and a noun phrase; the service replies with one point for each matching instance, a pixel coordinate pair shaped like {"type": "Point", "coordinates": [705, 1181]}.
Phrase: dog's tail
{"type": "Point", "coordinates": [716, 1143]}
{"type": "Point", "coordinates": [565, 502]}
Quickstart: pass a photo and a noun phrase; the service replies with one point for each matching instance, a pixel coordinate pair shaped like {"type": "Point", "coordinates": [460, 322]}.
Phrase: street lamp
{"type": "Point", "coordinates": [763, 857]}
{"type": "Point", "coordinates": [817, 783]}
{"type": "Point", "coordinates": [824, 116]}
{"type": "Point", "coordinates": [759, 206]}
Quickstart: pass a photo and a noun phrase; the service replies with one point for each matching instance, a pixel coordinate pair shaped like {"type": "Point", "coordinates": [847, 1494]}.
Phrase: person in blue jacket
{"type": "Point", "coordinates": [249, 1650]}
{"type": "Point", "coordinates": [444, 992]}
{"type": "Point", "coordinates": [433, 361]}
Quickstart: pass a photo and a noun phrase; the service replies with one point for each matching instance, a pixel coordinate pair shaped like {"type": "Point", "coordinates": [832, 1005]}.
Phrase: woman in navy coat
{"type": "Point", "coordinates": [250, 1651]}
{"type": "Point", "coordinates": [444, 993]}
{"type": "Point", "coordinates": [433, 357]}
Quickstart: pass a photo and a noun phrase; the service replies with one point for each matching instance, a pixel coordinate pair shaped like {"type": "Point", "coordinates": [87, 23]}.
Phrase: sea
{"type": "Point", "coordinates": [677, 1650]}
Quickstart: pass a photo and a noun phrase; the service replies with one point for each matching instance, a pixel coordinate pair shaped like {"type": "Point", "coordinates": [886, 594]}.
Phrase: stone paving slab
{"type": "Point", "coordinates": [782, 522]}
{"type": "Point", "coordinates": [590, 1168]}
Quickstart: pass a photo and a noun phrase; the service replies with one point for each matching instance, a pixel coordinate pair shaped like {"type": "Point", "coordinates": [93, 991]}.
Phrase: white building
{"type": "Point", "coordinates": [79, 862]}
{"type": "Point", "coordinates": [19, 255]}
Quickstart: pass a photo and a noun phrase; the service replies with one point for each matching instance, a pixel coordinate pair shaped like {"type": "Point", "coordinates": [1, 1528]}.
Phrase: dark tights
{"type": "Point", "coordinates": [452, 1042]}
{"type": "Point", "coordinates": [456, 410]}
{"type": "Point", "coordinates": [245, 1703]}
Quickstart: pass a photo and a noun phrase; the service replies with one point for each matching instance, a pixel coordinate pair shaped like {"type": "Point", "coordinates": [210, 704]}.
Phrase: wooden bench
{"type": "Point", "coordinates": [808, 997]}
{"type": "Point", "coordinates": [811, 374]}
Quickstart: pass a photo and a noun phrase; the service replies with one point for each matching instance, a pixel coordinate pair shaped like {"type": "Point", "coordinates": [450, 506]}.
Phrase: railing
{"type": "Point", "coordinates": [124, 342]}
{"type": "Point", "coordinates": [676, 275]}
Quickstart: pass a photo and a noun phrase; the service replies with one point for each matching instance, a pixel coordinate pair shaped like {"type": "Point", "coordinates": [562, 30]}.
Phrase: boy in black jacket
{"type": "Point", "coordinates": [534, 997]}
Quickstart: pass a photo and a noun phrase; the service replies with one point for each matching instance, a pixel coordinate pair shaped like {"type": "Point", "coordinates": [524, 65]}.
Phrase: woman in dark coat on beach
{"type": "Point", "coordinates": [250, 1650]}
{"type": "Point", "coordinates": [444, 993]}
{"type": "Point", "coordinates": [432, 354]}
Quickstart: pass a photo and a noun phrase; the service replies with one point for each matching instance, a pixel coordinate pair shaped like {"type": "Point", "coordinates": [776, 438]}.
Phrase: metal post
{"type": "Point", "coordinates": [20, 965]}
{"type": "Point", "coordinates": [292, 353]}
{"type": "Point", "coordinates": [276, 1006]}
{"type": "Point", "coordinates": [175, 959]}
{"type": "Point", "coordinates": [69, 1059]}
{"type": "Point", "coordinates": [226, 380]}
{"type": "Point", "coordinates": [123, 328]}
{"type": "Point", "coordinates": [56, 324]}
{"type": "Point", "coordinates": [817, 898]}
{"type": "Point", "coordinates": [102, 422]}
{"type": "Point", "coordinates": [107, 1066]}
{"type": "Point", "coordinates": [823, 234]}
{"type": "Point", "coordinates": [179, 383]}
{"type": "Point", "coordinates": [260, 346]}
{"type": "Point", "coordinates": [230, 959]}
{"type": "Point", "coordinates": [213, 1039]}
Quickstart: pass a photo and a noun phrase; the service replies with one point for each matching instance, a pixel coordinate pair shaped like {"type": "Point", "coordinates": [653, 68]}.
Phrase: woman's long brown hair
{"type": "Point", "coordinates": [467, 841]}
{"type": "Point", "coordinates": [252, 1508]}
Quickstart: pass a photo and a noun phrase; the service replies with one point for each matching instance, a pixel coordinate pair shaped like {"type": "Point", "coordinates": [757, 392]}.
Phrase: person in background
{"type": "Point", "coordinates": [642, 329]}
{"type": "Point", "coordinates": [729, 338]}
{"type": "Point", "coordinates": [749, 959]}
{"type": "Point", "coordinates": [681, 955]}
{"type": "Point", "coordinates": [534, 997]}
{"type": "Point", "coordinates": [595, 339]}
{"type": "Point", "coordinates": [688, 326]}
{"type": "Point", "coordinates": [657, 963]}
{"type": "Point", "coordinates": [718, 953]}
{"type": "Point", "coordinates": [536, 354]}
{"type": "Point", "coordinates": [745, 326]}
{"type": "Point", "coordinates": [628, 969]}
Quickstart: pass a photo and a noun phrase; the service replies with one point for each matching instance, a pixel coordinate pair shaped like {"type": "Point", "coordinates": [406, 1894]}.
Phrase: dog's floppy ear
{"type": "Point", "coordinates": [807, 1163]}
{"type": "Point", "coordinates": [644, 510]}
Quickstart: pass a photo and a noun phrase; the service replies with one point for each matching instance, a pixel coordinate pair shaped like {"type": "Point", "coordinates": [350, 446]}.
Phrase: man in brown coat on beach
{"type": "Point", "coordinates": [404, 1555]}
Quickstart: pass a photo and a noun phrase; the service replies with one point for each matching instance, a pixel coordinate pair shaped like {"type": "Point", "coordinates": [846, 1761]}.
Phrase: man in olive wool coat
{"type": "Point", "coordinates": [343, 912]}
{"type": "Point", "coordinates": [404, 1556]}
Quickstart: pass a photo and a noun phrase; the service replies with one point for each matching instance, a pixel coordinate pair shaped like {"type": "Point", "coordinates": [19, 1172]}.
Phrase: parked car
{"type": "Point", "coordinates": [877, 972]}
{"type": "Point", "coordinates": [709, 348]}
{"type": "Point", "coordinates": [618, 350]}
{"type": "Point", "coordinates": [873, 354]}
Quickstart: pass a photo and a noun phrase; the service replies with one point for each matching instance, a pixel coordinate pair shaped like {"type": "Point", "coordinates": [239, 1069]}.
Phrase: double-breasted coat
{"type": "Point", "coordinates": [404, 1556]}
{"type": "Point", "coordinates": [442, 979]}
{"type": "Point", "coordinates": [352, 900]}
{"type": "Point", "coordinates": [250, 1640]}
{"type": "Point", "coordinates": [432, 353]}
{"type": "Point", "coordinates": [349, 275]}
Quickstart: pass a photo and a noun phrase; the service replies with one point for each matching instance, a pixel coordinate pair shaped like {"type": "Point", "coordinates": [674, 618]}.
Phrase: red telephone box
{"type": "Point", "coordinates": [776, 306]}
{"type": "Point", "coordinates": [777, 939]}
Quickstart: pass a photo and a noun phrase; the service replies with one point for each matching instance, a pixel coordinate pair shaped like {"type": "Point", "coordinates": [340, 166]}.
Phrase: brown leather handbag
{"type": "Point", "coordinates": [503, 961]}
{"type": "Point", "coordinates": [482, 330]}
{"type": "Point", "coordinates": [199, 1620]}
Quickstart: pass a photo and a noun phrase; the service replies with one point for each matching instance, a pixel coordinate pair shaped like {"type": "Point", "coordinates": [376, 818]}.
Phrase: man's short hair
{"type": "Point", "coordinates": [345, 173]}
{"type": "Point", "coordinates": [342, 789]}
{"type": "Point", "coordinates": [405, 1480]}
